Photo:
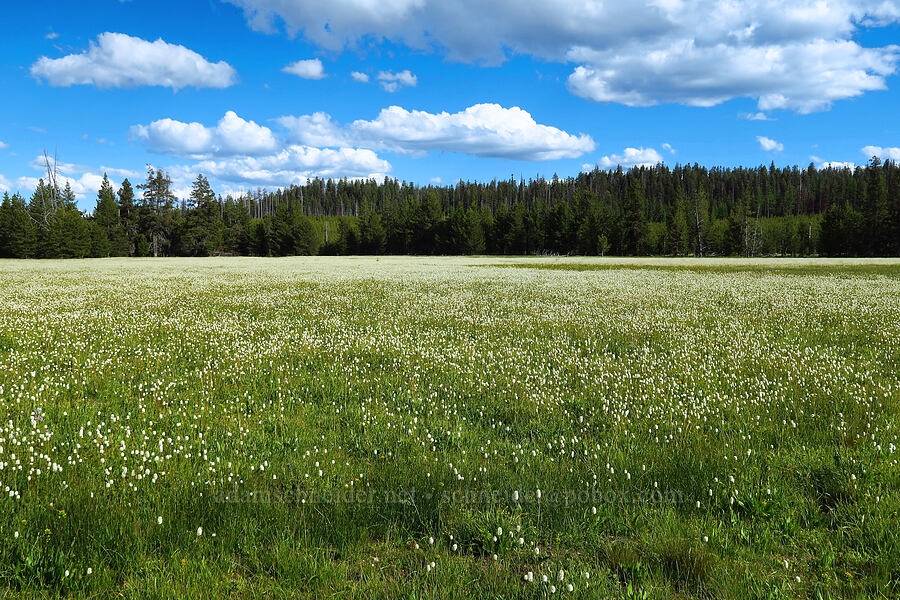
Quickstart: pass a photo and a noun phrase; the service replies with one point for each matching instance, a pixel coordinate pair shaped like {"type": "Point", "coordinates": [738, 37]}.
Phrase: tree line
{"type": "Point", "coordinates": [684, 210]}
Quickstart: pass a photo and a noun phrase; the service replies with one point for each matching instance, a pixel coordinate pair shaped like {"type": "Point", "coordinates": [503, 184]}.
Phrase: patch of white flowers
{"type": "Point", "coordinates": [617, 361]}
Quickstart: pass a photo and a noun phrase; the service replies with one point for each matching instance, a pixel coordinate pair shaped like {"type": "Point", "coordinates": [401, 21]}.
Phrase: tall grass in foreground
{"type": "Point", "coordinates": [426, 428]}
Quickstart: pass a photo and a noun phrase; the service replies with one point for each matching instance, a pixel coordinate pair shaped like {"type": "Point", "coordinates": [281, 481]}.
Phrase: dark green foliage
{"type": "Point", "coordinates": [18, 234]}
{"type": "Point", "coordinates": [156, 216]}
{"type": "Point", "coordinates": [372, 235]}
{"type": "Point", "coordinates": [204, 224]}
{"type": "Point", "coordinates": [685, 210]}
{"type": "Point", "coordinates": [294, 233]}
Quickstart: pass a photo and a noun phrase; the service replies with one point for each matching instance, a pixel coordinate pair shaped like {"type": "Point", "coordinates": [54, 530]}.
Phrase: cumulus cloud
{"type": "Point", "coordinates": [240, 152]}
{"type": "Point", "coordinates": [75, 170]}
{"type": "Point", "coordinates": [233, 135]}
{"type": "Point", "coordinates": [801, 56]}
{"type": "Point", "coordinates": [779, 76]}
{"type": "Point", "coordinates": [630, 157]}
{"type": "Point", "coordinates": [117, 60]}
{"type": "Point", "coordinates": [768, 144]}
{"type": "Point", "coordinates": [317, 129]}
{"type": "Point", "coordinates": [3, 145]}
{"type": "Point", "coordinates": [391, 81]}
{"type": "Point", "coordinates": [484, 130]}
{"type": "Point", "coordinates": [882, 153]}
{"type": "Point", "coordinates": [292, 165]}
{"type": "Point", "coordinates": [360, 77]}
{"type": "Point", "coordinates": [307, 69]}
{"type": "Point", "coordinates": [83, 180]}
{"type": "Point", "coordinates": [83, 185]}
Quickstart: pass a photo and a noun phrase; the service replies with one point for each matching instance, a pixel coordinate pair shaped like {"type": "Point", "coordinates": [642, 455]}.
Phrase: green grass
{"type": "Point", "coordinates": [336, 426]}
{"type": "Point", "coordinates": [790, 267]}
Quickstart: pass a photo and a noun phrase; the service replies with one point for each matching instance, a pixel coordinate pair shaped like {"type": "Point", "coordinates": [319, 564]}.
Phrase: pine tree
{"type": "Point", "coordinates": [42, 209]}
{"type": "Point", "coordinates": [19, 236]}
{"type": "Point", "coordinates": [681, 233]}
{"type": "Point", "coordinates": [634, 221]}
{"type": "Point", "coordinates": [128, 217]}
{"type": "Point", "coordinates": [875, 213]}
{"type": "Point", "coordinates": [106, 219]}
{"type": "Point", "coordinates": [156, 219]}
{"type": "Point", "coordinates": [71, 233]}
{"type": "Point", "coordinates": [373, 237]}
{"type": "Point", "coordinates": [205, 227]}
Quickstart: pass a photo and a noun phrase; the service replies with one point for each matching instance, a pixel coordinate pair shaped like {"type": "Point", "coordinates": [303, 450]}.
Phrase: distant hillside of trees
{"type": "Point", "coordinates": [685, 210]}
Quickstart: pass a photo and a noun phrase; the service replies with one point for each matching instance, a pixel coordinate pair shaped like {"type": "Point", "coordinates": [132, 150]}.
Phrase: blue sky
{"type": "Point", "coordinates": [470, 89]}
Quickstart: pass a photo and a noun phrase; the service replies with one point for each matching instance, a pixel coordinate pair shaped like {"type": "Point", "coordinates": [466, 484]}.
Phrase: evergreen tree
{"type": "Point", "coordinates": [128, 217]}
{"type": "Point", "coordinates": [634, 221]}
{"type": "Point", "coordinates": [875, 213]}
{"type": "Point", "coordinates": [156, 220]}
{"type": "Point", "coordinates": [106, 219]}
{"type": "Point", "coordinates": [42, 209]}
{"type": "Point", "coordinates": [70, 235]}
{"type": "Point", "coordinates": [18, 234]}
{"type": "Point", "coordinates": [372, 235]}
{"type": "Point", "coordinates": [680, 210]}
{"type": "Point", "coordinates": [680, 234]}
{"type": "Point", "coordinates": [205, 226]}
{"type": "Point", "coordinates": [465, 234]}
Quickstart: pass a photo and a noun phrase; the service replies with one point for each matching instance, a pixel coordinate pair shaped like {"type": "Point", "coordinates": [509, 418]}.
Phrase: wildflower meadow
{"type": "Point", "coordinates": [450, 428]}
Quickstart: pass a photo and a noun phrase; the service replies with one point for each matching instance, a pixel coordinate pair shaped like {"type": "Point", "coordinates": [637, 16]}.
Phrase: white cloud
{"type": "Point", "coordinates": [798, 56]}
{"type": "Point", "coordinates": [882, 153]}
{"type": "Point", "coordinates": [233, 135]}
{"type": "Point", "coordinates": [391, 81]}
{"type": "Point", "coordinates": [631, 157]}
{"type": "Point", "coordinates": [768, 144]}
{"type": "Point", "coordinates": [119, 60]}
{"type": "Point", "coordinates": [307, 69]}
{"type": "Point", "coordinates": [51, 36]}
{"type": "Point", "coordinates": [85, 181]}
{"type": "Point", "coordinates": [837, 165]}
{"type": "Point", "coordinates": [757, 116]}
{"type": "Point", "coordinates": [360, 77]}
{"type": "Point", "coordinates": [237, 152]}
{"type": "Point", "coordinates": [117, 173]}
{"type": "Point", "coordinates": [39, 164]}
{"type": "Point", "coordinates": [85, 186]}
{"type": "Point", "coordinates": [831, 164]}
{"type": "Point", "coordinates": [435, 180]}
{"type": "Point", "coordinates": [485, 130]}
{"type": "Point", "coordinates": [316, 129]}
{"type": "Point", "coordinates": [778, 76]}
{"type": "Point", "coordinates": [292, 165]}
{"type": "Point", "coordinates": [3, 146]}
{"type": "Point", "coordinates": [668, 148]}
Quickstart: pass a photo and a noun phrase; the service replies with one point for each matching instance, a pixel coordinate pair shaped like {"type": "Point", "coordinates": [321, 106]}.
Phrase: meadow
{"type": "Point", "coordinates": [450, 428]}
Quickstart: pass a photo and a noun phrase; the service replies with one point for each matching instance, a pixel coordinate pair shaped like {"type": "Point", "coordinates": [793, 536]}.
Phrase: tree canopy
{"type": "Point", "coordinates": [684, 210]}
